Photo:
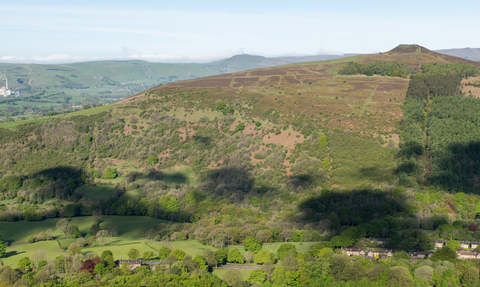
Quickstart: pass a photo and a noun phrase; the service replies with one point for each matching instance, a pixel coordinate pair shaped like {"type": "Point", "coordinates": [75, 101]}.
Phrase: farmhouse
{"type": "Point", "coordinates": [132, 263]}
{"type": "Point", "coordinates": [353, 251]}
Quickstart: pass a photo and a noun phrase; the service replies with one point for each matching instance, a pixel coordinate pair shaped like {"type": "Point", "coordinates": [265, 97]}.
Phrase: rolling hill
{"type": "Point", "coordinates": [465, 53]}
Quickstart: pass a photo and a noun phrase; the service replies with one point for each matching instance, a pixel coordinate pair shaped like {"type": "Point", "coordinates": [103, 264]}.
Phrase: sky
{"type": "Point", "coordinates": [53, 31]}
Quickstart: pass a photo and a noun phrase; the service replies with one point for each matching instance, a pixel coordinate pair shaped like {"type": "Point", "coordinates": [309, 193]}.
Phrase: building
{"type": "Point", "coordinates": [4, 91]}
{"type": "Point", "coordinates": [132, 263]}
{"type": "Point", "coordinates": [353, 251]}
{"type": "Point", "coordinates": [373, 253]}
{"type": "Point", "coordinates": [474, 244]}
{"type": "Point", "coordinates": [465, 245]}
{"type": "Point", "coordinates": [468, 255]}
{"type": "Point", "coordinates": [438, 244]}
{"type": "Point", "coordinates": [417, 255]}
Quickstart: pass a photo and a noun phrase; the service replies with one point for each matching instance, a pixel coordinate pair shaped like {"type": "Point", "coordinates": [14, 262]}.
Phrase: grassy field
{"type": "Point", "coordinates": [130, 235]}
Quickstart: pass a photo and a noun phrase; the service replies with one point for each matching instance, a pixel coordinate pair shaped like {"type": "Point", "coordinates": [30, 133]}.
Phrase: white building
{"type": "Point", "coordinates": [4, 91]}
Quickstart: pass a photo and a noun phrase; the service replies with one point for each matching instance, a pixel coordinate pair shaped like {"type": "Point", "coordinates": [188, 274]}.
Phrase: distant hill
{"type": "Point", "coordinates": [66, 86]}
{"type": "Point", "coordinates": [465, 53]}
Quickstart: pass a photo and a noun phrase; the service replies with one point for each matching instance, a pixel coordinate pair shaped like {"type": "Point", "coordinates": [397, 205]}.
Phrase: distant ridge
{"type": "Point", "coordinates": [465, 53]}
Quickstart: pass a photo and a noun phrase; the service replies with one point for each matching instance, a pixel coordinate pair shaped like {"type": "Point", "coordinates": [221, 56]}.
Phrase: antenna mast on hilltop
{"type": "Point", "coordinates": [6, 82]}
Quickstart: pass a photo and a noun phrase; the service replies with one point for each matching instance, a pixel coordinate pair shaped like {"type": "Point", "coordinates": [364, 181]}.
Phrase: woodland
{"type": "Point", "coordinates": [249, 194]}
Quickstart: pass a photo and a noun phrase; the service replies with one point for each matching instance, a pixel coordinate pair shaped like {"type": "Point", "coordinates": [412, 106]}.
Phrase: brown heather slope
{"type": "Point", "coordinates": [282, 94]}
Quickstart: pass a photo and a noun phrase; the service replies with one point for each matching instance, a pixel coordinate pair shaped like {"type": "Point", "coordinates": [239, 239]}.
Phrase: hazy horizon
{"type": "Point", "coordinates": [189, 32]}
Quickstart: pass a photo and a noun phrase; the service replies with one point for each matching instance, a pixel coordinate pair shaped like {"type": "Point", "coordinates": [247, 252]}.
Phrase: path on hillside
{"type": "Point", "coordinates": [368, 101]}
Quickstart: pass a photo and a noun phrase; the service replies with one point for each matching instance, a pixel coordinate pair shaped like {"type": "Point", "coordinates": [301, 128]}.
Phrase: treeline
{"type": "Point", "coordinates": [421, 88]}
{"type": "Point", "coordinates": [391, 69]}
{"type": "Point", "coordinates": [462, 69]}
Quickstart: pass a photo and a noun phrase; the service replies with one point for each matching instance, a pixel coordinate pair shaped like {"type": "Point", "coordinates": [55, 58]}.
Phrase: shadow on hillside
{"type": "Point", "coordinates": [232, 183]}
{"type": "Point", "coordinates": [12, 253]}
{"type": "Point", "coordinates": [203, 140]}
{"type": "Point", "coordinates": [176, 177]}
{"type": "Point", "coordinates": [303, 180]}
{"type": "Point", "coordinates": [457, 168]}
{"type": "Point", "coordinates": [354, 206]}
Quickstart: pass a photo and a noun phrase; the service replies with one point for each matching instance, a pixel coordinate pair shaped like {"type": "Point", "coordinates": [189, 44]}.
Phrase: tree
{"type": "Point", "coordinates": [234, 256]}
{"type": "Point", "coordinates": [240, 127]}
{"type": "Point", "coordinates": [74, 250]}
{"type": "Point", "coordinates": [24, 264]}
{"type": "Point", "coordinates": [100, 269]}
{"type": "Point", "coordinates": [106, 253]}
{"type": "Point", "coordinates": [220, 255]}
{"type": "Point", "coordinates": [424, 273]}
{"type": "Point", "coordinates": [163, 252]}
{"type": "Point", "coordinates": [326, 163]}
{"type": "Point", "coordinates": [290, 263]}
{"type": "Point", "coordinates": [286, 250]}
{"type": "Point", "coordinates": [399, 276]}
{"type": "Point", "coordinates": [470, 277]}
{"type": "Point", "coordinates": [233, 277]}
{"type": "Point", "coordinates": [89, 265]}
{"type": "Point", "coordinates": [248, 256]}
{"type": "Point", "coordinates": [3, 247]}
{"type": "Point", "coordinates": [147, 255]}
{"type": "Point", "coordinates": [257, 276]}
{"type": "Point", "coordinates": [133, 253]}
{"type": "Point", "coordinates": [152, 160]}
{"type": "Point", "coordinates": [179, 253]}
{"type": "Point", "coordinates": [62, 225]}
{"type": "Point", "coordinates": [341, 241]}
{"type": "Point", "coordinates": [263, 256]}
{"type": "Point", "coordinates": [251, 243]}
{"type": "Point", "coordinates": [323, 140]}
{"type": "Point", "coordinates": [453, 244]}
{"type": "Point", "coordinates": [444, 254]}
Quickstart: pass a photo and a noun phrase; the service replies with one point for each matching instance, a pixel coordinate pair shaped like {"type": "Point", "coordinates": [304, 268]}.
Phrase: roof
{"type": "Point", "coordinates": [379, 251]}
{"type": "Point", "coordinates": [353, 249]}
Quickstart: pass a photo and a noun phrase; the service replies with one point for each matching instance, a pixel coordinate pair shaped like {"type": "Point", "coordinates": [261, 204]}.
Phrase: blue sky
{"type": "Point", "coordinates": [202, 31]}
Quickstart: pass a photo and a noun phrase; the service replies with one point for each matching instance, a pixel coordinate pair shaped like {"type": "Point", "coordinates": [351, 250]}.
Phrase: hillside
{"type": "Point", "coordinates": [45, 88]}
{"type": "Point", "coordinates": [332, 153]}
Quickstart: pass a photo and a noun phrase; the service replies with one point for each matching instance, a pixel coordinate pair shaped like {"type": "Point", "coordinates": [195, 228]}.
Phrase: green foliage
{"type": "Point", "coordinates": [323, 140]}
{"type": "Point", "coordinates": [257, 276]}
{"type": "Point", "coordinates": [133, 253]}
{"type": "Point", "coordinates": [251, 243]}
{"type": "Point", "coordinates": [234, 256]}
{"type": "Point", "coordinates": [258, 124]}
{"type": "Point", "coordinates": [391, 69]}
{"type": "Point", "coordinates": [444, 254]}
{"type": "Point", "coordinates": [152, 160]}
{"type": "Point", "coordinates": [110, 173]}
{"type": "Point", "coordinates": [240, 127]}
{"type": "Point", "coordinates": [463, 69]}
{"type": "Point", "coordinates": [286, 250]}
{"type": "Point", "coordinates": [453, 244]}
{"type": "Point", "coordinates": [180, 254]}
{"type": "Point", "coordinates": [326, 163]}
{"type": "Point", "coordinates": [342, 241]}
{"type": "Point", "coordinates": [163, 252]}
{"type": "Point", "coordinates": [24, 263]}
{"type": "Point", "coordinates": [263, 256]}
